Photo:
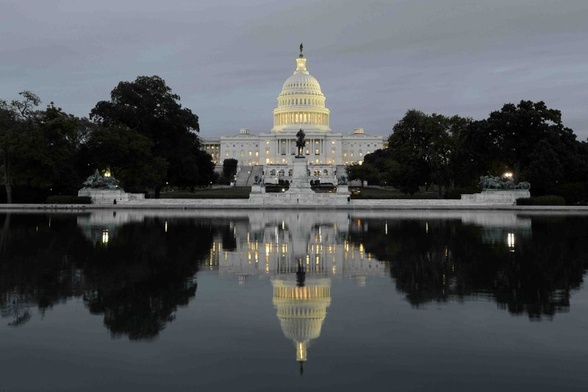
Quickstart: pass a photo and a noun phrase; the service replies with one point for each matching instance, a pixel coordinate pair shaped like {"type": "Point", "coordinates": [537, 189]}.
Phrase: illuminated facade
{"type": "Point", "coordinates": [301, 105]}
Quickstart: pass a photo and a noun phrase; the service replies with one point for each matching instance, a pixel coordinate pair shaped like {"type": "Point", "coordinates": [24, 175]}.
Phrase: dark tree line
{"type": "Point", "coordinates": [137, 280]}
{"type": "Point", "coordinates": [451, 153]}
{"type": "Point", "coordinates": [142, 135]}
{"type": "Point", "coordinates": [448, 260]}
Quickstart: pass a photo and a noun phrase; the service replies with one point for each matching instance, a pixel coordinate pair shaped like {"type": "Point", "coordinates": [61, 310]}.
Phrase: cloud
{"type": "Point", "coordinates": [374, 59]}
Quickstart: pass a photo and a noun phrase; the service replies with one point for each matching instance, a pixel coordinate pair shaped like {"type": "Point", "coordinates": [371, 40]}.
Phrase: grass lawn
{"type": "Point", "coordinates": [383, 193]}
{"type": "Point", "coordinates": [243, 193]}
{"type": "Point", "coordinates": [210, 193]}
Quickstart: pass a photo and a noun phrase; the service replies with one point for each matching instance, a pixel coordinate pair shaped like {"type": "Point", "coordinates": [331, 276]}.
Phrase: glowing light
{"type": "Point", "coordinates": [510, 241]}
{"type": "Point", "coordinates": [105, 236]}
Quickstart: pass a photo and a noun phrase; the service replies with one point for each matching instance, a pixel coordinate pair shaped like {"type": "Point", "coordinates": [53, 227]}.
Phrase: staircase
{"type": "Point", "coordinates": [246, 176]}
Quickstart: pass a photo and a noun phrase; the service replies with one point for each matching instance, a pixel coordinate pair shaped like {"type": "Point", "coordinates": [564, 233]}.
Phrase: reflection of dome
{"type": "Point", "coordinates": [301, 102]}
{"type": "Point", "coordinates": [302, 310]}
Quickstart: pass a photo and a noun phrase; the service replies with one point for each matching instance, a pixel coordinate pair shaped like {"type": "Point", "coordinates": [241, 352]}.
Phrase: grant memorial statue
{"type": "Point", "coordinates": [300, 143]}
{"type": "Point", "coordinates": [106, 190]}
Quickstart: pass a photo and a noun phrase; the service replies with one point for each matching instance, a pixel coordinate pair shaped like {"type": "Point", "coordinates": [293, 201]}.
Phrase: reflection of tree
{"type": "Point", "coordinates": [144, 273]}
{"type": "Point", "coordinates": [539, 277]}
{"type": "Point", "coordinates": [439, 260]}
{"type": "Point", "coordinates": [36, 267]}
{"type": "Point", "coordinates": [228, 238]}
{"type": "Point", "coordinates": [137, 280]}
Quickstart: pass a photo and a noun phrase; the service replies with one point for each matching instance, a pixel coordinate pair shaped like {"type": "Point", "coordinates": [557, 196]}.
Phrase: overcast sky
{"type": "Point", "coordinates": [228, 59]}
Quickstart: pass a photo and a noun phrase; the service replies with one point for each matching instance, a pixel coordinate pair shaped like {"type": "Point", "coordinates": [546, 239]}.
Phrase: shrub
{"type": "Point", "coordinates": [456, 193]}
{"type": "Point", "coordinates": [574, 193]}
{"type": "Point", "coordinates": [548, 200]}
{"type": "Point", "coordinates": [69, 199]}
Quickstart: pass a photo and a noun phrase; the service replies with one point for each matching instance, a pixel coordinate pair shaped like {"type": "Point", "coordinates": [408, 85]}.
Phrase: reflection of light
{"type": "Point", "coordinates": [165, 226]}
{"type": "Point", "coordinates": [300, 352]}
{"type": "Point", "coordinates": [105, 236]}
{"type": "Point", "coordinates": [360, 280]}
{"type": "Point", "coordinates": [386, 228]}
{"type": "Point", "coordinates": [427, 227]}
{"type": "Point", "coordinates": [510, 241]}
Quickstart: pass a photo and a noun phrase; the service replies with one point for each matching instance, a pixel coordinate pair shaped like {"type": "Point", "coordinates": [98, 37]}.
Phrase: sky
{"type": "Point", "coordinates": [374, 59]}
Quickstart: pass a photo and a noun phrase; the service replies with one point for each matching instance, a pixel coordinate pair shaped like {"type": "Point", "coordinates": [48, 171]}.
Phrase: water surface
{"type": "Point", "coordinates": [265, 301]}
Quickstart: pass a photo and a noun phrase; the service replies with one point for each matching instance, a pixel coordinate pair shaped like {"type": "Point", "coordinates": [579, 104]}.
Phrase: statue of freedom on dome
{"type": "Point", "coordinates": [300, 142]}
{"type": "Point", "coordinates": [301, 55]}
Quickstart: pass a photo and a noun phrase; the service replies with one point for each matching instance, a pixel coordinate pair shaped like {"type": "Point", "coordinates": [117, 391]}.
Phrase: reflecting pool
{"type": "Point", "coordinates": [295, 300]}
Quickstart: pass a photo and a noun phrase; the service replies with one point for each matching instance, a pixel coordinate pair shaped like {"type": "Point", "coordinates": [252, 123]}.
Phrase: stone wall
{"type": "Point", "coordinates": [108, 196]}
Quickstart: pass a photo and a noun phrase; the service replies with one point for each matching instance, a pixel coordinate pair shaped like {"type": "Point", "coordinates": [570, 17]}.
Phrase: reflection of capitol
{"type": "Point", "coordinates": [300, 252]}
{"type": "Point", "coordinates": [271, 243]}
{"type": "Point", "coordinates": [301, 310]}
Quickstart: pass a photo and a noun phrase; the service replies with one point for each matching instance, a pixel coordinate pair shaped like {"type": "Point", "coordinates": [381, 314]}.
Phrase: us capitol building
{"type": "Point", "coordinates": [301, 105]}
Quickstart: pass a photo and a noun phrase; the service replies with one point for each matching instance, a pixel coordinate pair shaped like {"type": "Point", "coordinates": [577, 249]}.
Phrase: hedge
{"type": "Point", "coordinates": [548, 200]}
{"type": "Point", "coordinates": [69, 199]}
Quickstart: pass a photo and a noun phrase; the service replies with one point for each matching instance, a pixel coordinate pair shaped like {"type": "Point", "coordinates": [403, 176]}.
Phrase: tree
{"type": "Point", "coordinates": [378, 168]}
{"type": "Point", "coordinates": [148, 106]}
{"type": "Point", "coordinates": [58, 132]}
{"type": "Point", "coordinates": [15, 119]}
{"type": "Point", "coordinates": [515, 130]}
{"type": "Point", "coordinates": [128, 155]}
{"type": "Point", "coordinates": [425, 147]}
{"type": "Point", "coordinates": [230, 168]}
{"type": "Point", "coordinates": [544, 168]}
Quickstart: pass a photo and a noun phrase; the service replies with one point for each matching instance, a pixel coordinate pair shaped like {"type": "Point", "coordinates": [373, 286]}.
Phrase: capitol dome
{"type": "Point", "coordinates": [301, 103]}
{"type": "Point", "coordinates": [301, 82]}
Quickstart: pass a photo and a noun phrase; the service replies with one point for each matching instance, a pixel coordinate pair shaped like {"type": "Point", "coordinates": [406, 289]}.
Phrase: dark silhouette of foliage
{"type": "Point", "coordinates": [148, 106]}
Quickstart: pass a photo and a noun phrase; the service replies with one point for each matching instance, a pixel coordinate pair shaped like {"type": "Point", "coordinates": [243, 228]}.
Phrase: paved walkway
{"type": "Point", "coordinates": [219, 204]}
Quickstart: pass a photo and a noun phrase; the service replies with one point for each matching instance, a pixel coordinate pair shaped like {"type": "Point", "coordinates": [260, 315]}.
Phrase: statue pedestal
{"type": "Point", "coordinates": [497, 197]}
{"type": "Point", "coordinates": [300, 178]}
{"type": "Point", "coordinates": [108, 196]}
